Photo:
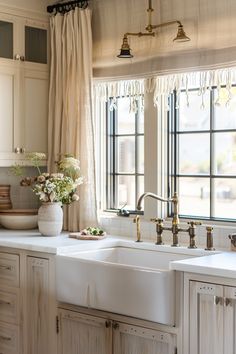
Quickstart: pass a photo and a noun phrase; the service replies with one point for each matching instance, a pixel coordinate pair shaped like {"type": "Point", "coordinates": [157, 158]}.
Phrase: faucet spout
{"type": "Point", "coordinates": [151, 195]}
{"type": "Point", "coordinates": [175, 220]}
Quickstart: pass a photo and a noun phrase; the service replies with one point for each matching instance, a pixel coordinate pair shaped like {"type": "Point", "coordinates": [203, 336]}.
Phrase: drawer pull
{"type": "Point", "coordinates": [2, 302]}
{"type": "Point", "coordinates": [5, 338]}
{"type": "Point", "coordinates": [228, 302]}
{"type": "Point", "coordinates": [5, 267]}
{"type": "Point", "coordinates": [217, 300]}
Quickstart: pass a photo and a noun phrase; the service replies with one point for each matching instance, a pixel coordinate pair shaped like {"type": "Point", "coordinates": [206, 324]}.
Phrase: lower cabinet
{"type": "Point", "coordinates": [212, 318]}
{"type": "Point", "coordinates": [40, 313]}
{"type": "Point", "coordinates": [86, 334]}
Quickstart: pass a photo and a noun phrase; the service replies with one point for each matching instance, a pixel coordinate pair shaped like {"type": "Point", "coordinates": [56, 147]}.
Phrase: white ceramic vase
{"type": "Point", "coordinates": [50, 219]}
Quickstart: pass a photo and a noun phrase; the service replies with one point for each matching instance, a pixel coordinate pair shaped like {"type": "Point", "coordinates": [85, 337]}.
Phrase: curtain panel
{"type": "Point", "coordinates": [71, 128]}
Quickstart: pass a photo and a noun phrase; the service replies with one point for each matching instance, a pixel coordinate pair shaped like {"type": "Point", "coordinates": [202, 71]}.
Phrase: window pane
{"type": "Point", "coordinates": [126, 192]}
{"type": "Point", "coordinates": [195, 116]}
{"type": "Point", "coordinates": [194, 196]}
{"type": "Point", "coordinates": [225, 114]}
{"type": "Point", "coordinates": [6, 40]}
{"type": "Point", "coordinates": [126, 154]}
{"type": "Point", "coordinates": [140, 186]}
{"type": "Point", "coordinates": [125, 118]}
{"type": "Point", "coordinates": [35, 45]}
{"type": "Point", "coordinates": [225, 153]}
{"type": "Point", "coordinates": [140, 145]}
{"type": "Point", "coordinates": [194, 153]}
{"type": "Point", "coordinates": [225, 198]}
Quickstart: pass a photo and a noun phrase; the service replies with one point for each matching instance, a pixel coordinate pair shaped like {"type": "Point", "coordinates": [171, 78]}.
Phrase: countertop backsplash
{"type": "Point", "coordinates": [125, 227]}
{"type": "Point", "coordinates": [21, 197]}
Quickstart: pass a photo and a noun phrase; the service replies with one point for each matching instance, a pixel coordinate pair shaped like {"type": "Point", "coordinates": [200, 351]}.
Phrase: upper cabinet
{"type": "Point", "coordinates": [23, 39]}
{"type": "Point", "coordinates": [24, 85]}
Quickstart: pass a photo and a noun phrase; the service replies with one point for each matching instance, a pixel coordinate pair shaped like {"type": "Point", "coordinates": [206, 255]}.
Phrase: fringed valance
{"type": "Point", "coordinates": [166, 85]}
{"type": "Point", "coordinates": [203, 81]}
{"type": "Point", "coordinates": [109, 91]}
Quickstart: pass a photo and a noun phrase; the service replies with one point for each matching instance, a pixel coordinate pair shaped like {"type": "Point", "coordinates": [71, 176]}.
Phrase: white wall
{"type": "Point", "coordinates": [35, 5]}
{"type": "Point", "coordinates": [209, 23]}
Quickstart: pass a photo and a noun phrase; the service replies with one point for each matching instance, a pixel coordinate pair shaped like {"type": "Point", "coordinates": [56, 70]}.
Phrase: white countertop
{"type": "Point", "coordinates": [32, 240]}
{"type": "Point", "coordinates": [218, 264]}
{"type": "Point", "coordinates": [222, 265]}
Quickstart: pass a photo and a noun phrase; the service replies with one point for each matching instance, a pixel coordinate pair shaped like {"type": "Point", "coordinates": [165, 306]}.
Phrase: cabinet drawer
{"type": "Point", "coordinates": [9, 307]}
{"type": "Point", "coordinates": [9, 339]}
{"type": "Point", "coordinates": [9, 269]}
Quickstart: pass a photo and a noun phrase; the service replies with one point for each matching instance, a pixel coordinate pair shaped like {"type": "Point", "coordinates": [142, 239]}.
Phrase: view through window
{"type": "Point", "coordinates": [202, 165]}
{"type": "Point", "coordinates": [125, 154]}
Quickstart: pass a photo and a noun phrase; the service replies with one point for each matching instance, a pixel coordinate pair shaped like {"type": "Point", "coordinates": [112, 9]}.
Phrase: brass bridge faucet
{"type": "Point", "coordinates": [175, 228]}
{"type": "Point", "coordinates": [175, 220]}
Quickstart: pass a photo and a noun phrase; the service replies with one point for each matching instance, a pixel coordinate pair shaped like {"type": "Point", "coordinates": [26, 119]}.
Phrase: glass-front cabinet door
{"type": "Point", "coordinates": [35, 45]}
{"type": "Point", "coordinates": [6, 39]}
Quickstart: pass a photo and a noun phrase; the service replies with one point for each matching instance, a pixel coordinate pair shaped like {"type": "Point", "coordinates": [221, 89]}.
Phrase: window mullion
{"type": "Point", "coordinates": [212, 157]}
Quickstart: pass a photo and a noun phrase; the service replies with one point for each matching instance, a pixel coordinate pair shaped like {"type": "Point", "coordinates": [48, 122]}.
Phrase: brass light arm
{"type": "Point", "coordinates": [169, 23]}
{"type": "Point", "coordinates": [138, 34]}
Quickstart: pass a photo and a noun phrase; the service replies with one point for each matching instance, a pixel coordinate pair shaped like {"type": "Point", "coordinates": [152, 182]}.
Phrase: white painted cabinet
{"type": "Point", "coordinates": [86, 334]}
{"type": "Point", "coordinates": [212, 318]}
{"type": "Point", "coordinates": [23, 87]}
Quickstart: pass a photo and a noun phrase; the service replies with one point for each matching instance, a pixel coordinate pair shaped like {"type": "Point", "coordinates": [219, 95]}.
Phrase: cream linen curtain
{"type": "Point", "coordinates": [71, 127]}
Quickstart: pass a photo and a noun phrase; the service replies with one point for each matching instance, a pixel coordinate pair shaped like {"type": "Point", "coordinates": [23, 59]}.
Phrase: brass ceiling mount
{"type": "Point", "coordinates": [125, 51]}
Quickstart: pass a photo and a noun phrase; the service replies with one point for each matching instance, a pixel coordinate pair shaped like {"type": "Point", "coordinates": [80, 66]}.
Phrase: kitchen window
{"type": "Point", "coordinates": [125, 152]}
{"type": "Point", "coordinates": [202, 153]}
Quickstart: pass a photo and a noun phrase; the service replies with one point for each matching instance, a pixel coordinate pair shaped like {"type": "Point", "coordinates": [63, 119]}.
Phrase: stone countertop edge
{"type": "Point", "coordinates": [221, 265]}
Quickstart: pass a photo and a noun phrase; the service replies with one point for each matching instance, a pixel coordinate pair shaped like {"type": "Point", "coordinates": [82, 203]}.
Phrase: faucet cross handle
{"type": "Point", "coordinates": [194, 223]}
{"type": "Point", "coordinates": [192, 232]}
{"type": "Point", "coordinates": [159, 230]}
{"type": "Point", "coordinates": [157, 220]}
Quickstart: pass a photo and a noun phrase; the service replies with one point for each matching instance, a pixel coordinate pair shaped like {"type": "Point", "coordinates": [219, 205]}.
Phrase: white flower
{"type": "Point", "coordinates": [79, 181]}
{"type": "Point", "coordinates": [68, 163]}
{"type": "Point", "coordinates": [75, 197]}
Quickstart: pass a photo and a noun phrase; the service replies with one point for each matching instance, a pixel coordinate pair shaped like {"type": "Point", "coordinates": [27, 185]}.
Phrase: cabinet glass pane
{"type": "Point", "coordinates": [35, 45]}
{"type": "Point", "coordinates": [6, 40]}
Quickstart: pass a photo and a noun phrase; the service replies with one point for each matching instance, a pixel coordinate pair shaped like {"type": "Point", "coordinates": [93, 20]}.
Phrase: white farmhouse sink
{"type": "Point", "coordinates": [122, 280]}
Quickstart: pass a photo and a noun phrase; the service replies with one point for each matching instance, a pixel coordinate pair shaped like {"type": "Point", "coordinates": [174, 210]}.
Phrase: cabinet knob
{"type": "Point", "coordinates": [17, 57]}
{"type": "Point", "coordinates": [108, 324]}
{"type": "Point", "coordinates": [22, 150]}
{"type": "Point", "coordinates": [17, 150]}
{"type": "Point", "coordinates": [22, 58]}
{"type": "Point", "coordinates": [115, 325]}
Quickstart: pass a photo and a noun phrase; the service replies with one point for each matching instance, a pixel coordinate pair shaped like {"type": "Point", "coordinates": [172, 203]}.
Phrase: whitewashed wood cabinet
{"type": "Point", "coordinates": [28, 308]}
{"type": "Point", "coordinates": [85, 334]}
{"type": "Point", "coordinates": [24, 77]}
{"type": "Point", "coordinates": [212, 318]}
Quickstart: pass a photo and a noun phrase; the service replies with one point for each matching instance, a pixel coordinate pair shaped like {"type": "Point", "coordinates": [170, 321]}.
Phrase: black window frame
{"type": "Point", "coordinates": [173, 163]}
{"type": "Point", "coordinates": [111, 158]}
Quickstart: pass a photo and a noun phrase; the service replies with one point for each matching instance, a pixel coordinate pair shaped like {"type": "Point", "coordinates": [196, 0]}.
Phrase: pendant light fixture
{"type": "Point", "coordinates": [125, 51]}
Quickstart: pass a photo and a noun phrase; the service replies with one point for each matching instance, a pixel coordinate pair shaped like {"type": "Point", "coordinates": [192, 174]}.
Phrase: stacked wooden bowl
{"type": "Point", "coordinates": [15, 219]}
{"type": "Point", "coordinates": [5, 199]}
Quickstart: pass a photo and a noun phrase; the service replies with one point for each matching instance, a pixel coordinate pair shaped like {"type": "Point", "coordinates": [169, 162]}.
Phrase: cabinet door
{"type": "Point", "coordinates": [229, 320]}
{"type": "Point", "coordinates": [35, 111]}
{"type": "Point", "coordinates": [9, 81]}
{"type": "Point", "coordinates": [130, 339]}
{"type": "Point", "coordinates": [38, 309]}
{"type": "Point", "coordinates": [206, 318]}
{"type": "Point", "coordinates": [83, 334]}
{"type": "Point", "coordinates": [36, 42]}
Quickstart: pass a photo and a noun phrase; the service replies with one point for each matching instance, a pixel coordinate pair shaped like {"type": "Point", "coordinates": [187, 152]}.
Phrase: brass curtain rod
{"type": "Point", "coordinates": [67, 6]}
